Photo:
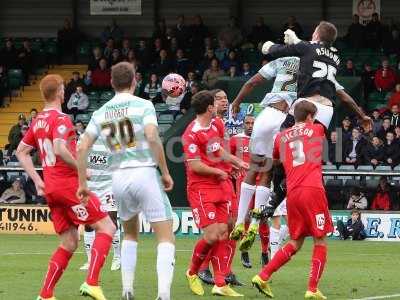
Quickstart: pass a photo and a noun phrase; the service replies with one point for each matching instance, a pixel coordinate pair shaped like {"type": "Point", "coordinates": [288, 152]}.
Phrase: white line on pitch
{"type": "Point", "coordinates": [46, 253]}
{"type": "Point", "coordinates": [379, 297]}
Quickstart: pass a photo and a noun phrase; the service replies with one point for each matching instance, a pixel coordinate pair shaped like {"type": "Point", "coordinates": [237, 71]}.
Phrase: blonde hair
{"type": "Point", "coordinates": [49, 86]}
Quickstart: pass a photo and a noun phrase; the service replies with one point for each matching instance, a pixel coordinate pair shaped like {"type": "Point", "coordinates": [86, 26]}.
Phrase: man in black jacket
{"type": "Point", "coordinates": [356, 33]}
{"type": "Point", "coordinates": [353, 147]}
{"type": "Point", "coordinates": [354, 227]}
{"type": "Point", "coordinates": [394, 116]}
{"type": "Point", "coordinates": [391, 150]}
{"type": "Point", "coordinates": [374, 153]}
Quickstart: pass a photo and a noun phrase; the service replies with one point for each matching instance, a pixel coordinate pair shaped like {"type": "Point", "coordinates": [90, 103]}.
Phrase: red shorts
{"type": "Point", "coordinates": [308, 213]}
{"type": "Point", "coordinates": [209, 205]}
{"type": "Point", "coordinates": [228, 189]}
{"type": "Point", "coordinates": [66, 209]}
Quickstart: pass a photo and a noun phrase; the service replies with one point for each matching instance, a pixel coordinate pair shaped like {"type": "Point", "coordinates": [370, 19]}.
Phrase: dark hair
{"type": "Point", "coordinates": [327, 33]}
{"type": "Point", "coordinates": [201, 101]}
{"type": "Point", "coordinates": [216, 91]}
{"type": "Point", "coordinates": [303, 109]}
{"type": "Point", "coordinates": [122, 76]}
{"type": "Point", "coordinates": [34, 109]}
{"type": "Point", "coordinates": [356, 211]}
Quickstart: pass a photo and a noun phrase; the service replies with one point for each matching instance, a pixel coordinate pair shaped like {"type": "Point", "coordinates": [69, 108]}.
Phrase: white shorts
{"type": "Point", "coordinates": [281, 209]}
{"type": "Point", "coordinates": [140, 190]}
{"type": "Point", "coordinates": [266, 126]}
{"type": "Point", "coordinates": [324, 112]}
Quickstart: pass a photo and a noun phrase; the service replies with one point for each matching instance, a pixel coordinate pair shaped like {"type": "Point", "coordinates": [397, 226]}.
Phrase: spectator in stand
{"type": "Point", "coordinates": [208, 44]}
{"type": "Point", "coordinates": [385, 77]}
{"type": "Point", "coordinates": [293, 25]}
{"type": "Point", "coordinates": [357, 200]}
{"type": "Point", "coordinates": [139, 88]}
{"type": "Point", "coordinates": [3, 84]}
{"type": "Point", "coordinates": [260, 32]}
{"type": "Point", "coordinates": [181, 31]}
{"type": "Point", "coordinates": [182, 64]}
{"type": "Point", "coordinates": [25, 60]}
{"type": "Point", "coordinates": [126, 47]}
{"type": "Point", "coordinates": [79, 127]}
{"type": "Point", "coordinates": [14, 136]}
{"type": "Point", "coordinates": [382, 199]}
{"type": "Point", "coordinates": [15, 194]}
{"type": "Point", "coordinates": [115, 57]}
{"type": "Point", "coordinates": [152, 90]}
{"type": "Point", "coordinates": [346, 129]}
{"type": "Point", "coordinates": [206, 62]}
{"type": "Point", "coordinates": [222, 51]}
{"type": "Point", "coordinates": [356, 33]}
{"type": "Point", "coordinates": [391, 150]}
{"type": "Point", "coordinates": [373, 32]}
{"type": "Point", "coordinates": [232, 72]}
{"type": "Point", "coordinates": [174, 105]}
{"type": "Point", "coordinates": [368, 79]}
{"type": "Point", "coordinates": [231, 35]}
{"type": "Point", "coordinates": [376, 121]}
{"type": "Point", "coordinates": [373, 153]}
{"type": "Point", "coordinates": [349, 70]}
{"type": "Point", "coordinates": [211, 75]}
{"type": "Point", "coordinates": [354, 227]}
{"type": "Point", "coordinates": [173, 45]}
{"type": "Point", "coordinates": [230, 60]}
{"type": "Point", "coordinates": [108, 50]}
{"type": "Point", "coordinates": [332, 143]}
{"type": "Point", "coordinates": [191, 79]}
{"type": "Point", "coordinates": [160, 31]}
{"type": "Point", "coordinates": [394, 116]}
{"type": "Point", "coordinates": [32, 116]}
{"type": "Point", "coordinates": [198, 32]}
{"type": "Point", "coordinates": [8, 56]}
{"type": "Point", "coordinates": [78, 102]}
{"type": "Point", "coordinates": [101, 78]}
{"type": "Point", "coordinates": [187, 99]}
{"type": "Point", "coordinates": [143, 53]}
{"type": "Point", "coordinates": [386, 127]}
{"type": "Point", "coordinates": [87, 81]}
{"type": "Point", "coordinates": [67, 41]}
{"type": "Point", "coordinates": [395, 97]}
{"type": "Point", "coordinates": [157, 47]}
{"type": "Point", "coordinates": [397, 134]}
{"type": "Point", "coordinates": [112, 31]}
{"type": "Point", "coordinates": [75, 81]}
{"type": "Point", "coordinates": [353, 148]}
{"type": "Point", "coordinates": [164, 65]}
{"type": "Point", "coordinates": [131, 58]}
{"type": "Point", "coordinates": [94, 60]}
{"type": "Point", "coordinates": [247, 72]}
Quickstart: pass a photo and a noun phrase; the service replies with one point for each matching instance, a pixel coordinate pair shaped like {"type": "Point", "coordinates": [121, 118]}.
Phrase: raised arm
{"type": "Point", "coordinates": [246, 89]}
{"type": "Point", "coordinates": [349, 102]}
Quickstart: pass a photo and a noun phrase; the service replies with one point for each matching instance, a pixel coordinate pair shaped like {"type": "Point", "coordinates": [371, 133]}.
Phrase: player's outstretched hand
{"type": "Point", "coordinates": [367, 123]}
{"type": "Point", "coordinates": [266, 46]}
{"type": "Point", "coordinates": [167, 182]}
{"type": "Point", "coordinates": [235, 108]}
{"type": "Point", "coordinates": [39, 188]}
{"type": "Point", "coordinates": [290, 37]}
{"type": "Point", "coordinates": [83, 194]}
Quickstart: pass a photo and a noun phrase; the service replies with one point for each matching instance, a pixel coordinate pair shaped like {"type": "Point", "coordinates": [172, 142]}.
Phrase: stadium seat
{"type": "Point", "coordinates": [329, 168]}
{"type": "Point", "coordinates": [85, 118]}
{"type": "Point", "coordinates": [15, 79]}
{"type": "Point", "coordinates": [178, 117]}
{"type": "Point", "coordinates": [384, 168]}
{"type": "Point", "coordinates": [376, 97]}
{"type": "Point", "coordinates": [163, 128]}
{"type": "Point", "coordinates": [161, 107]}
{"type": "Point", "coordinates": [397, 170]}
{"type": "Point", "coordinates": [106, 96]}
{"type": "Point", "coordinates": [166, 119]}
{"type": "Point", "coordinates": [372, 184]}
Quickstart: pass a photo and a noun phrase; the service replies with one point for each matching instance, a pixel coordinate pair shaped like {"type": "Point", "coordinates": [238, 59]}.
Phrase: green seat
{"type": "Point", "coordinates": [163, 128]}
{"type": "Point", "coordinates": [376, 97]}
{"type": "Point", "coordinates": [161, 107]}
{"type": "Point", "coordinates": [106, 96]}
{"type": "Point", "coordinates": [375, 105]}
{"type": "Point", "coordinates": [15, 79]}
{"type": "Point", "coordinates": [85, 118]}
{"type": "Point", "coordinates": [166, 119]}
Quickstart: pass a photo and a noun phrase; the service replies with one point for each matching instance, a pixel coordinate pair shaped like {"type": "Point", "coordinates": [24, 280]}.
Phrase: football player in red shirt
{"type": "Point", "coordinates": [52, 134]}
{"type": "Point", "coordinates": [300, 148]}
{"type": "Point", "coordinates": [209, 192]}
{"type": "Point", "coordinates": [239, 145]}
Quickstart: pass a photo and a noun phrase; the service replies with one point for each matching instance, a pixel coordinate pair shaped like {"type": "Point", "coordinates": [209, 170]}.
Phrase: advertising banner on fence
{"type": "Point", "coordinates": [21, 219]}
{"type": "Point", "coordinates": [365, 9]}
{"type": "Point", "coordinates": [25, 219]}
{"type": "Point", "coordinates": [235, 125]}
{"type": "Point", "coordinates": [115, 7]}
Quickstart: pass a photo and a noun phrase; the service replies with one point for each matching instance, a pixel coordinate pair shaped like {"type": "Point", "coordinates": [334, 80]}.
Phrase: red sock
{"type": "Point", "coordinates": [57, 264]}
{"type": "Point", "coordinates": [231, 247]}
{"type": "Point", "coordinates": [317, 266]}
{"type": "Point", "coordinates": [219, 262]}
{"type": "Point", "coordinates": [263, 231]}
{"type": "Point", "coordinates": [100, 248]}
{"type": "Point", "coordinates": [281, 257]}
{"type": "Point", "coordinates": [200, 252]}
{"type": "Point", "coordinates": [206, 262]}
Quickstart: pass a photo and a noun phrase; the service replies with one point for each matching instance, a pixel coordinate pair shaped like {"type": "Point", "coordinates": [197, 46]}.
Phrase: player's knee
{"type": "Point", "coordinates": [70, 244]}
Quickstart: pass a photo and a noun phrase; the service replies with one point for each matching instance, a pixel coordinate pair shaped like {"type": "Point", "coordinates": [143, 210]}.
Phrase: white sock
{"type": "Point", "coordinates": [283, 234]}
{"type": "Point", "coordinates": [88, 238]}
{"type": "Point", "coordinates": [246, 194]}
{"type": "Point", "coordinates": [262, 195]}
{"type": "Point", "coordinates": [165, 269]}
{"type": "Point", "coordinates": [128, 264]}
{"type": "Point", "coordinates": [273, 241]}
{"type": "Point", "coordinates": [117, 244]}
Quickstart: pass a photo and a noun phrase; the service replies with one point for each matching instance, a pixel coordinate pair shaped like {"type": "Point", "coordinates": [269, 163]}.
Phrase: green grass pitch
{"type": "Point", "coordinates": [354, 270]}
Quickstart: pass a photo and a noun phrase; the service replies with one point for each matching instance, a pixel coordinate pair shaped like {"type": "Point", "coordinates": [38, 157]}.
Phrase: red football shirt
{"type": "Point", "coordinates": [240, 146]}
{"type": "Point", "coordinates": [203, 144]}
{"type": "Point", "coordinates": [300, 148]}
{"type": "Point", "coordinates": [47, 127]}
